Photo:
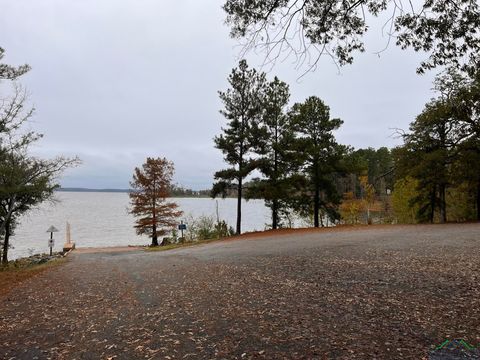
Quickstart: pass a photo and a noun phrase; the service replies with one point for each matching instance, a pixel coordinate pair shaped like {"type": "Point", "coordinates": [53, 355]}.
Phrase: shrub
{"type": "Point", "coordinates": [205, 227]}
{"type": "Point", "coordinates": [350, 209]}
{"type": "Point", "coordinates": [404, 192]}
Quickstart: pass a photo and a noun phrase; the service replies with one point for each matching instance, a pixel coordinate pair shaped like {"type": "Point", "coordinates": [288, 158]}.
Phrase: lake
{"type": "Point", "coordinates": [101, 219]}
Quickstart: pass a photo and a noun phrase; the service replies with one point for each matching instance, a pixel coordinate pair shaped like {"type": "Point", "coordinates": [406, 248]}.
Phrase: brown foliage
{"type": "Point", "coordinates": [20, 271]}
{"type": "Point", "coordinates": [150, 185]}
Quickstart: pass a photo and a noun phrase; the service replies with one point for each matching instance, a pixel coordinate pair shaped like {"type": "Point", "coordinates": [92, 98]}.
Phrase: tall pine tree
{"type": "Point", "coordinates": [316, 148]}
{"type": "Point", "coordinates": [242, 109]}
{"type": "Point", "coordinates": [275, 163]}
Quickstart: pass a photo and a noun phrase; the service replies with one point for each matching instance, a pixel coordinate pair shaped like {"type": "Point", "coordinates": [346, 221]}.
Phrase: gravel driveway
{"type": "Point", "coordinates": [383, 292]}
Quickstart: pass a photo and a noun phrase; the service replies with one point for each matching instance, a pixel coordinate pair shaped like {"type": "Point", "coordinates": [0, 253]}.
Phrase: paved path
{"type": "Point", "coordinates": [378, 292]}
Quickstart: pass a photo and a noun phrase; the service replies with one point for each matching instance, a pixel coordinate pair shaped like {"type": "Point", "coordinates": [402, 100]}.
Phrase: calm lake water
{"type": "Point", "coordinates": [102, 219]}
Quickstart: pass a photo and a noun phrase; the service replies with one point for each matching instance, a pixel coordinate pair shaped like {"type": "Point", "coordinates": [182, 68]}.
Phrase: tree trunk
{"type": "Point", "coordinates": [432, 206]}
{"type": "Point", "coordinates": [443, 204]}
{"type": "Point", "coordinates": [5, 243]}
{"type": "Point", "coordinates": [9, 214]}
{"type": "Point", "coordinates": [316, 199]}
{"type": "Point", "coordinates": [154, 235]}
{"type": "Point", "coordinates": [274, 214]}
{"type": "Point", "coordinates": [478, 200]}
{"type": "Point", "coordinates": [239, 206]}
{"type": "Point", "coordinates": [275, 177]}
{"type": "Point", "coordinates": [316, 208]}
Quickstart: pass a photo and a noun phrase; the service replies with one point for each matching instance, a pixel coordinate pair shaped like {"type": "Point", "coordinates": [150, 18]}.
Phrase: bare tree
{"type": "Point", "coordinates": [25, 181]}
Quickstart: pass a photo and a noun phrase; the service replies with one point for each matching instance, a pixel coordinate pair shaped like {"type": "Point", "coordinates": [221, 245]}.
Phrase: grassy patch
{"type": "Point", "coordinates": [178, 246]}
{"type": "Point", "coordinates": [14, 274]}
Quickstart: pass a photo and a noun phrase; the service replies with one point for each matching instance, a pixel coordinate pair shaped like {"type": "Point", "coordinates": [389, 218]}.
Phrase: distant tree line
{"type": "Point", "coordinates": [180, 191]}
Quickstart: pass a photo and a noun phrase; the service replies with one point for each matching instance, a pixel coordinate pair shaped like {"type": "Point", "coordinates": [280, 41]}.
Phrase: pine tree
{"type": "Point", "coordinates": [466, 170]}
{"type": "Point", "coordinates": [466, 107]}
{"type": "Point", "coordinates": [275, 163]}
{"type": "Point", "coordinates": [316, 148]}
{"type": "Point", "coordinates": [150, 190]}
{"type": "Point", "coordinates": [8, 72]}
{"type": "Point", "coordinates": [428, 153]}
{"type": "Point", "coordinates": [378, 164]}
{"type": "Point", "coordinates": [242, 109]}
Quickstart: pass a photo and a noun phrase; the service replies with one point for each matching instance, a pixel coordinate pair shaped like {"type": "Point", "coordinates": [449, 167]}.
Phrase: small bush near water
{"type": "Point", "coordinates": [201, 228]}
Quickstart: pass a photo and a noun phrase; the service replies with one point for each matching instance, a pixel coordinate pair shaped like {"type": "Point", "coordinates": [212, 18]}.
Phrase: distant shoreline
{"type": "Point", "coordinates": [125, 191]}
{"type": "Point", "coordinates": [93, 190]}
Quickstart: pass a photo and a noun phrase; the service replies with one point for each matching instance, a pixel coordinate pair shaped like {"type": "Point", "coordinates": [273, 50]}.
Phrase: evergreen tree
{"type": "Point", "coordinates": [242, 109]}
{"type": "Point", "coordinates": [378, 165]}
{"type": "Point", "coordinates": [466, 170]}
{"type": "Point", "coordinates": [316, 148]}
{"type": "Point", "coordinates": [25, 182]}
{"type": "Point", "coordinates": [443, 148]}
{"type": "Point", "coordinates": [8, 72]}
{"type": "Point", "coordinates": [429, 151]}
{"type": "Point", "coordinates": [273, 147]}
{"type": "Point", "coordinates": [466, 107]}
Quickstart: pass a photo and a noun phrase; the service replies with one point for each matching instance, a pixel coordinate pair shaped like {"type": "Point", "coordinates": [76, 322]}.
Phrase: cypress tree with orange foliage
{"type": "Point", "coordinates": [150, 189]}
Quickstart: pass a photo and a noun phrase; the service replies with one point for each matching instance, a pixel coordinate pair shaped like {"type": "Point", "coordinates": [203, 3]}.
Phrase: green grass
{"type": "Point", "coordinates": [178, 246]}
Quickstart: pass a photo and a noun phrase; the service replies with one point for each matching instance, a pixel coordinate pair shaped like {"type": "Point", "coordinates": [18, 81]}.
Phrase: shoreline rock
{"type": "Point", "coordinates": [36, 259]}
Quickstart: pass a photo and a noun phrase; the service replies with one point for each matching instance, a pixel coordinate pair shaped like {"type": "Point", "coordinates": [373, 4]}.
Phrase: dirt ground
{"type": "Point", "coordinates": [367, 293]}
{"type": "Point", "coordinates": [12, 276]}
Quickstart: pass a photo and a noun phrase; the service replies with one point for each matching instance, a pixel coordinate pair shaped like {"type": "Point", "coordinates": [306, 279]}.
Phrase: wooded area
{"type": "Point", "coordinates": [433, 177]}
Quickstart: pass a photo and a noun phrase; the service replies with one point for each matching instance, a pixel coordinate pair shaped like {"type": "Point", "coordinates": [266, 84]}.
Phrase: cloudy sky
{"type": "Point", "coordinates": [115, 81]}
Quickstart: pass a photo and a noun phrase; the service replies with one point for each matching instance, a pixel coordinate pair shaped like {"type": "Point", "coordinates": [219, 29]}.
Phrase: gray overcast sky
{"type": "Point", "coordinates": [115, 81]}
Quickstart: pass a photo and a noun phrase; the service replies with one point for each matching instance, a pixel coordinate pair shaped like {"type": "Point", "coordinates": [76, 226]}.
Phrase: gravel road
{"type": "Point", "coordinates": [382, 292]}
